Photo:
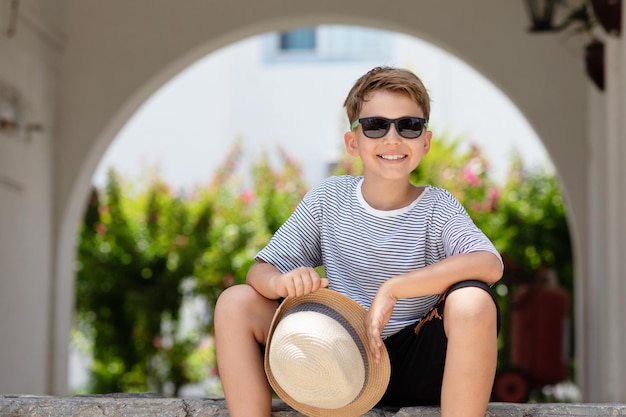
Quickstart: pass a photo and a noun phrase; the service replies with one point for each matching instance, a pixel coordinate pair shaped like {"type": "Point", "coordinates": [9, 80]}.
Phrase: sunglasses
{"type": "Point", "coordinates": [376, 127]}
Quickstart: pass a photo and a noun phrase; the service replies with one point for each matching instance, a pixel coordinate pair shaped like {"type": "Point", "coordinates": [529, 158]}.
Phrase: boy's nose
{"type": "Point", "coordinates": [392, 135]}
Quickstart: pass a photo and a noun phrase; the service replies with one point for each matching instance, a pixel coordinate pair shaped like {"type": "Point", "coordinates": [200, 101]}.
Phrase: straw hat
{"type": "Point", "coordinates": [317, 358]}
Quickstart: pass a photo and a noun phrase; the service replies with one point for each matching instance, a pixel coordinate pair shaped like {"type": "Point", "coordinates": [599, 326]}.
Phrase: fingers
{"type": "Point", "coordinates": [377, 317]}
{"type": "Point", "coordinates": [301, 281]}
{"type": "Point", "coordinates": [374, 338]}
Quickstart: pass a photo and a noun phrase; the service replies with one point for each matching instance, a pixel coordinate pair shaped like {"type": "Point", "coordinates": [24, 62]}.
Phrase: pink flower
{"type": "Point", "coordinates": [181, 241]}
{"type": "Point", "coordinates": [492, 199]}
{"type": "Point", "coordinates": [470, 176]}
{"type": "Point", "coordinates": [247, 196]}
{"type": "Point", "coordinates": [101, 229]}
{"type": "Point", "coordinates": [228, 280]}
{"type": "Point", "coordinates": [157, 342]}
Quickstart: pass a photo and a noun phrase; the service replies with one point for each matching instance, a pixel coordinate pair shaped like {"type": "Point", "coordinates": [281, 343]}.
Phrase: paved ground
{"type": "Point", "coordinates": [123, 405]}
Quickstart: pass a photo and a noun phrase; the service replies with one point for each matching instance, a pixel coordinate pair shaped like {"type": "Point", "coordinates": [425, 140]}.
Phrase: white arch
{"type": "Point", "coordinates": [86, 131]}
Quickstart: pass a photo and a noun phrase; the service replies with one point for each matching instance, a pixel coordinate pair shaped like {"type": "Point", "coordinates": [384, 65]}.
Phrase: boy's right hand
{"type": "Point", "coordinates": [300, 281]}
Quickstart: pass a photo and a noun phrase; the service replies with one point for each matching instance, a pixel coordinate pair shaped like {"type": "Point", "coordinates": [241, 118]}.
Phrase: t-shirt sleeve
{"type": "Point", "coordinates": [461, 235]}
{"type": "Point", "coordinates": [297, 242]}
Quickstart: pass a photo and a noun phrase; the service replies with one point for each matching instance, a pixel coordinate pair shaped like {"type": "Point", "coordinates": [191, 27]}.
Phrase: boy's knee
{"type": "Point", "coordinates": [234, 299]}
{"type": "Point", "coordinates": [241, 309]}
{"type": "Point", "coordinates": [469, 305]}
{"type": "Point", "coordinates": [243, 301]}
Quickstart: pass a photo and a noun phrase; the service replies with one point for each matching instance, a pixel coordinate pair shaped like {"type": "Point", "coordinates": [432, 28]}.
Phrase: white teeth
{"type": "Point", "coordinates": [392, 157]}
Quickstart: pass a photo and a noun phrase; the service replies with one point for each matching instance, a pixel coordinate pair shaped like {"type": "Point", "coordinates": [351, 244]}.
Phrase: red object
{"type": "Point", "coordinates": [539, 333]}
{"type": "Point", "coordinates": [512, 385]}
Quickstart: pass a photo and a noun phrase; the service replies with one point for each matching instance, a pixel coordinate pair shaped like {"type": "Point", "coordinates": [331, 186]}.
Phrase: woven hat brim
{"type": "Point", "coordinates": [378, 375]}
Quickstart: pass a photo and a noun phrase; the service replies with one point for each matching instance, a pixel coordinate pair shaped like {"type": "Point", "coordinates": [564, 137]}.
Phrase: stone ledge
{"type": "Point", "coordinates": [145, 405]}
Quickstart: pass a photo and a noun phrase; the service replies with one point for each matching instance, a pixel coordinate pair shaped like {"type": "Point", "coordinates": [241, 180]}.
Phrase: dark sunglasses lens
{"type": "Point", "coordinates": [409, 127]}
{"type": "Point", "coordinates": [374, 127]}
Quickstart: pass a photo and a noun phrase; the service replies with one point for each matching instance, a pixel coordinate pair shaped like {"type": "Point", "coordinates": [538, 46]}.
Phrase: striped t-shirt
{"type": "Point", "coordinates": [361, 247]}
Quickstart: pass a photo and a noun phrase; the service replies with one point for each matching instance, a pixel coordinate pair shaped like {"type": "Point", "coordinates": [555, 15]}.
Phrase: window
{"type": "Point", "coordinates": [327, 43]}
{"type": "Point", "coordinates": [298, 39]}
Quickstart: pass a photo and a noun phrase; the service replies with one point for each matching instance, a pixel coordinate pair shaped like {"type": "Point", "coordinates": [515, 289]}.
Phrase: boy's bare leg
{"type": "Point", "coordinates": [470, 324]}
{"type": "Point", "coordinates": [242, 321]}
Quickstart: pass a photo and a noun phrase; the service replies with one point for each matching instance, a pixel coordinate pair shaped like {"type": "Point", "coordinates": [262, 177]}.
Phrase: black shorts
{"type": "Point", "coordinates": [418, 355]}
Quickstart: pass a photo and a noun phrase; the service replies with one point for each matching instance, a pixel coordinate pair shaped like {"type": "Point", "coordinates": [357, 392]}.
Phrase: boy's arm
{"type": "Point", "coordinates": [434, 279]}
{"type": "Point", "coordinates": [272, 284]}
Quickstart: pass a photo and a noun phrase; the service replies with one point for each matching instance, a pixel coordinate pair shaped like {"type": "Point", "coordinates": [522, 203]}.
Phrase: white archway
{"type": "Point", "coordinates": [128, 109]}
{"type": "Point", "coordinates": [89, 65]}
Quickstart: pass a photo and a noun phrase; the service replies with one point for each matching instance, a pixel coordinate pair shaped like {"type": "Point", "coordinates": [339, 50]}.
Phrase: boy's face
{"type": "Point", "coordinates": [391, 157]}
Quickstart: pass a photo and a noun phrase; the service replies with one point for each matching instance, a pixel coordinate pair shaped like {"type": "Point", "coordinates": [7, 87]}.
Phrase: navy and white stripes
{"type": "Point", "coordinates": [361, 247]}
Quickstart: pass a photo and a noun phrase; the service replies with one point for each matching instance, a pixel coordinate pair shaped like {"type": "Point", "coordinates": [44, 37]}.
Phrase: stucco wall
{"type": "Point", "coordinates": [29, 62]}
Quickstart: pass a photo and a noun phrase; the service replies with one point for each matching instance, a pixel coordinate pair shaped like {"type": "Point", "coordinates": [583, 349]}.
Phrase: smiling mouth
{"type": "Point", "coordinates": [392, 157]}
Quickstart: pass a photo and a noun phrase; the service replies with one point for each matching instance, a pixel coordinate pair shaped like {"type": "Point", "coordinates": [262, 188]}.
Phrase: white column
{"type": "Point", "coordinates": [618, 79]}
{"type": "Point", "coordinates": [602, 311]}
{"type": "Point", "coordinates": [615, 363]}
{"type": "Point", "coordinates": [590, 287]}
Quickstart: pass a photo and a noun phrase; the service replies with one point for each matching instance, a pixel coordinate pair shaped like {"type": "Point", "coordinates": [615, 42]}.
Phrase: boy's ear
{"type": "Point", "coordinates": [427, 138]}
{"type": "Point", "coordinates": [349, 139]}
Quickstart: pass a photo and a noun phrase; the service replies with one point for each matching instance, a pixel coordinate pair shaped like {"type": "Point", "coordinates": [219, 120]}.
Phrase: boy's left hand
{"type": "Point", "coordinates": [377, 317]}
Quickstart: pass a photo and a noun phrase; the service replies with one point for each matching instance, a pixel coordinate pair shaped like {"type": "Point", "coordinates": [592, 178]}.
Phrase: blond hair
{"type": "Point", "coordinates": [396, 80]}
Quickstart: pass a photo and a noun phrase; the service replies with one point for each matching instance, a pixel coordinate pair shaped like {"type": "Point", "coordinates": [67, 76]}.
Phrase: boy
{"type": "Point", "coordinates": [409, 254]}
